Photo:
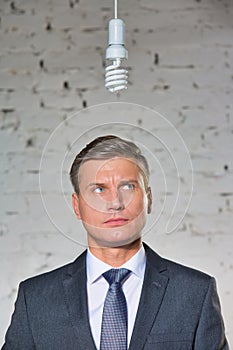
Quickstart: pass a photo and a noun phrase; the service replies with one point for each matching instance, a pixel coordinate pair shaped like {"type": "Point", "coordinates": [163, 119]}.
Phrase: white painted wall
{"type": "Point", "coordinates": [51, 66]}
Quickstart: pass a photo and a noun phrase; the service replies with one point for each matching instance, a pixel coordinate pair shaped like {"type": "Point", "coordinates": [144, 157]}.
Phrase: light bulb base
{"type": "Point", "coordinates": [116, 51]}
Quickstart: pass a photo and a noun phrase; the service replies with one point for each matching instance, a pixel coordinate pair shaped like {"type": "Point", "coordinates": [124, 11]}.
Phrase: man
{"type": "Point", "coordinates": [119, 294]}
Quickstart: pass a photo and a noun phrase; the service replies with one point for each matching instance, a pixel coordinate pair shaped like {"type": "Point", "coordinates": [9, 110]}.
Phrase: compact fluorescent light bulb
{"type": "Point", "coordinates": [115, 75]}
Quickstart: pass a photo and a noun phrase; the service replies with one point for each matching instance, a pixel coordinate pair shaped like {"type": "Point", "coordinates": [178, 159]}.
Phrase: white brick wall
{"type": "Point", "coordinates": [51, 66]}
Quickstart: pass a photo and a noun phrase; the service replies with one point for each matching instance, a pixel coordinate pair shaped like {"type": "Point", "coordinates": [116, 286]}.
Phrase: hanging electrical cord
{"type": "Point", "coordinates": [116, 76]}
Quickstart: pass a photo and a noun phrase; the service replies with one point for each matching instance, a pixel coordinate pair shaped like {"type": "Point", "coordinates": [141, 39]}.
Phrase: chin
{"type": "Point", "coordinates": [114, 239]}
{"type": "Point", "coordinates": [115, 236]}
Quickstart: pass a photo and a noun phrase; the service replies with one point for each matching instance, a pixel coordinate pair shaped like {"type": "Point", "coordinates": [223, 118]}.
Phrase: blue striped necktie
{"type": "Point", "coordinates": [114, 326]}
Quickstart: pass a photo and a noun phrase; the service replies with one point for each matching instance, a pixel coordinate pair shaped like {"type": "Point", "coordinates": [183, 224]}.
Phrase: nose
{"type": "Point", "coordinates": [116, 203]}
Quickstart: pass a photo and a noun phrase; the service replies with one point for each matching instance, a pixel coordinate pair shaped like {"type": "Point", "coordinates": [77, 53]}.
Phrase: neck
{"type": "Point", "coordinates": [116, 256]}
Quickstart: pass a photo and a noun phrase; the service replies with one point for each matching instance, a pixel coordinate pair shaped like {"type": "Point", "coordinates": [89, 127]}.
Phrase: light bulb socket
{"type": "Point", "coordinates": [116, 32]}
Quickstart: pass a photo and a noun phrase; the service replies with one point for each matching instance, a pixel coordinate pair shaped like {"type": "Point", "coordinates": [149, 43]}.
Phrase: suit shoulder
{"type": "Point", "coordinates": [177, 271]}
{"type": "Point", "coordinates": [183, 270]}
{"type": "Point", "coordinates": [56, 274]}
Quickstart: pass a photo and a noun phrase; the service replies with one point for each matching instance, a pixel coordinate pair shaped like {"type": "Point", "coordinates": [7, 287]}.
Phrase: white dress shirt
{"type": "Point", "coordinates": [97, 288]}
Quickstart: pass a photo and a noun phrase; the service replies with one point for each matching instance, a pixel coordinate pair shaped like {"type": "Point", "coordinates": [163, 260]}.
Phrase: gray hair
{"type": "Point", "coordinates": [107, 147]}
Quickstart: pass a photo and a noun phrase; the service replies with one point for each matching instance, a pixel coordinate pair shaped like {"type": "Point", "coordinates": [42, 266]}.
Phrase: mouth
{"type": "Point", "coordinates": [116, 222]}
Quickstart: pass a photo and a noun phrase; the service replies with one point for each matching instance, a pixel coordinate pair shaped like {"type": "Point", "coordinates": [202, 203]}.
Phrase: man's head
{"type": "Point", "coordinates": [110, 178]}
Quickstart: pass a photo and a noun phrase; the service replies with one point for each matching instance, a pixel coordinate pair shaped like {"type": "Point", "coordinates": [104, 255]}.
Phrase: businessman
{"type": "Point", "coordinates": [119, 294]}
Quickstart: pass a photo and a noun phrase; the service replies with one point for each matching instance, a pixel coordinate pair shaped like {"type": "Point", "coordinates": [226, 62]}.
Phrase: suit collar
{"type": "Point", "coordinates": [154, 261]}
{"type": "Point", "coordinates": [153, 290]}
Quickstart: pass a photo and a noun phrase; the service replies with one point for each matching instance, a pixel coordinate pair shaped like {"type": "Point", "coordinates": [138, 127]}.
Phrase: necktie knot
{"type": "Point", "coordinates": [116, 275]}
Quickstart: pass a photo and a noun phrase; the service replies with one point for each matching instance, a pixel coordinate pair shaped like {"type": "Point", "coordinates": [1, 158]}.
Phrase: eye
{"type": "Point", "coordinates": [128, 187]}
{"type": "Point", "coordinates": [99, 189]}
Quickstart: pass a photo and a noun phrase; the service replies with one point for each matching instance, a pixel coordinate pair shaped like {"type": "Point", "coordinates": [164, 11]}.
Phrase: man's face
{"type": "Point", "coordinates": [112, 201]}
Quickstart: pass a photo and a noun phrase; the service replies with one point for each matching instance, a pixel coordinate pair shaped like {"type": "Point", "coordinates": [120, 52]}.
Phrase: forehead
{"type": "Point", "coordinates": [117, 167]}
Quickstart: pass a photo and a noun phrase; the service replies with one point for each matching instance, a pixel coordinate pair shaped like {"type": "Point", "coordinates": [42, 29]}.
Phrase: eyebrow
{"type": "Point", "coordinates": [129, 181]}
{"type": "Point", "coordinates": [97, 184]}
{"type": "Point", "coordinates": [104, 184]}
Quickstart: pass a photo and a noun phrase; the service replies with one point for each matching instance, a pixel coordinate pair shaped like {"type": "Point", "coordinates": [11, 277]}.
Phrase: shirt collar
{"type": "Point", "coordinates": [96, 267]}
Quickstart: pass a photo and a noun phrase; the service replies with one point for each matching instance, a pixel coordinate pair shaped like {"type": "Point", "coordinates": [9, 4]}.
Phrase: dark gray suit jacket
{"type": "Point", "coordinates": [179, 310]}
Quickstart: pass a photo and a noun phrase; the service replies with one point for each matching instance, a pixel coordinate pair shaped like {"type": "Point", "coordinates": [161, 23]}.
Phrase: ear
{"type": "Point", "coordinates": [149, 198]}
{"type": "Point", "coordinates": [75, 204]}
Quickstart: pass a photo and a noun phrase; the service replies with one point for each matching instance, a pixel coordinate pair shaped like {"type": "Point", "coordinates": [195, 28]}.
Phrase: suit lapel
{"type": "Point", "coordinates": [74, 285]}
{"type": "Point", "coordinates": [153, 290]}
